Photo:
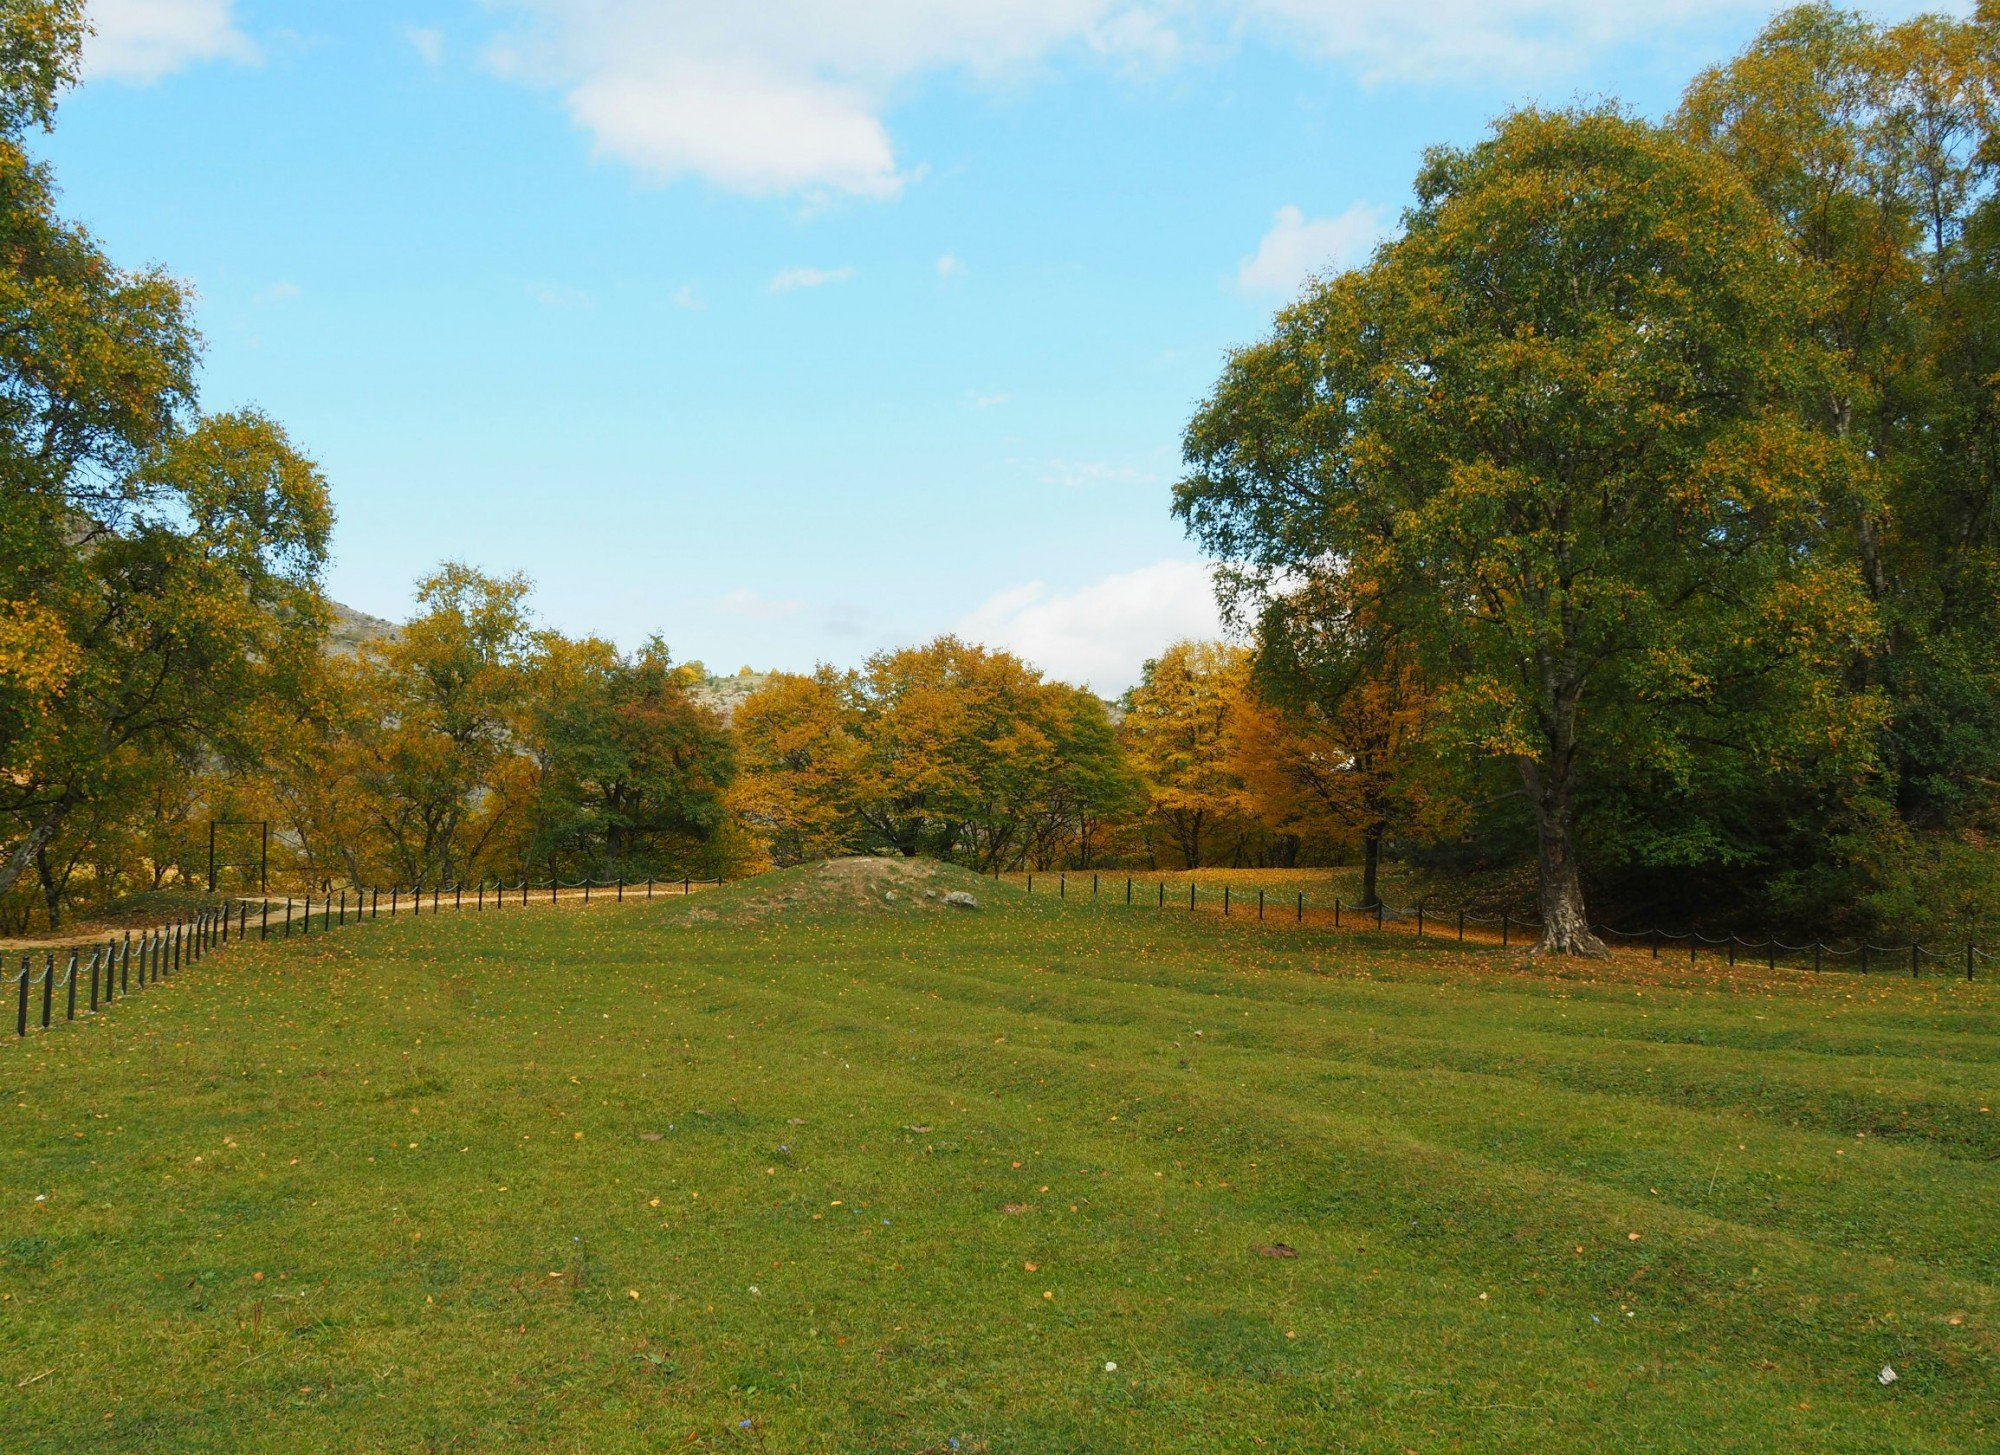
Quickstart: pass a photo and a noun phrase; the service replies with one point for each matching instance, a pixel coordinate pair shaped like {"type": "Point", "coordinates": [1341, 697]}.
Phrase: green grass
{"type": "Point", "coordinates": [843, 1150]}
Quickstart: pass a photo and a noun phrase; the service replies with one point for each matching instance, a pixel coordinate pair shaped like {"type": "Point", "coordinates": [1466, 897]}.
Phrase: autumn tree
{"type": "Point", "coordinates": [948, 749]}
{"type": "Point", "coordinates": [1557, 440]}
{"type": "Point", "coordinates": [963, 751]}
{"type": "Point", "coordinates": [799, 748]}
{"type": "Point", "coordinates": [1339, 755]}
{"type": "Point", "coordinates": [158, 569]}
{"type": "Point", "coordinates": [1176, 734]}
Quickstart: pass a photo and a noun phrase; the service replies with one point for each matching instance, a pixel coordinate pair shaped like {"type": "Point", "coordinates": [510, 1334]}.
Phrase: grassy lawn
{"type": "Point", "coordinates": [789, 1168]}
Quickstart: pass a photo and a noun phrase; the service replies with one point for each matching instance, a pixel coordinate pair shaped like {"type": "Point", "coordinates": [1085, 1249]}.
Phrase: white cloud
{"type": "Point", "coordinates": [686, 297]}
{"type": "Point", "coordinates": [561, 297]}
{"type": "Point", "coordinates": [986, 401]}
{"type": "Point", "coordinates": [745, 602]}
{"type": "Point", "coordinates": [143, 40]}
{"type": "Point", "coordinates": [427, 41]}
{"type": "Point", "coordinates": [282, 291]}
{"type": "Point", "coordinates": [791, 96]}
{"type": "Point", "coordinates": [790, 278]}
{"type": "Point", "coordinates": [1297, 247]}
{"type": "Point", "coordinates": [784, 95]}
{"type": "Point", "coordinates": [1100, 635]}
{"type": "Point", "coordinates": [948, 266]}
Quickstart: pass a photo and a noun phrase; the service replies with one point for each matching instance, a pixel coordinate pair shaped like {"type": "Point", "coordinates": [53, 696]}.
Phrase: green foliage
{"type": "Point", "coordinates": [41, 44]}
{"type": "Point", "coordinates": [632, 770]}
{"type": "Point", "coordinates": [1555, 442]}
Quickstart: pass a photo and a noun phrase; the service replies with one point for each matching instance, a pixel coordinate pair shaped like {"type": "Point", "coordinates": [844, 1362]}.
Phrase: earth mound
{"type": "Point", "coordinates": [862, 883]}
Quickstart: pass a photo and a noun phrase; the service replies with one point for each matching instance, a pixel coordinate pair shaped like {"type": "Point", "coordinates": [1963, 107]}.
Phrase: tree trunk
{"type": "Point", "coordinates": [51, 888]}
{"type": "Point", "coordinates": [37, 840]}
{"type": "Point", "coordinates": [1565, 922]}
{"type": "Point", "coordinates": [1371, 863]}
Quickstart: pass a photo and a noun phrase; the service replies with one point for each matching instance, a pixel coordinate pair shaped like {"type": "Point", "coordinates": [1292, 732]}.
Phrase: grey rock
{"type": "Point", "coordinates": [959, 899]}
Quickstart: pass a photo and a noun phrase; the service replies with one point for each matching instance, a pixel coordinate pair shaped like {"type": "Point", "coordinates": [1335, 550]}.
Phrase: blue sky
{"type": "Point", "coordinates": [790, 330]}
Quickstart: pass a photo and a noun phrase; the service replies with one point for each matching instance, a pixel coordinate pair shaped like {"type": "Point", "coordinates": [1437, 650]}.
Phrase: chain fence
{"type": "Point", "coordinates": [1510, 930]}
{"type": "Point", "coordinates": [84, 978]}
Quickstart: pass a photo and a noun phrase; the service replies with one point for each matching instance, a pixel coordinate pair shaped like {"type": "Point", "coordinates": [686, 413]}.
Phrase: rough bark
{"type": "Point", "coordinates": [1565, 922]}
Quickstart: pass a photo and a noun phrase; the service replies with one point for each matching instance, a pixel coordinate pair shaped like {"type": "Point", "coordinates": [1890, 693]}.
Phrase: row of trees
{"type": "Point", "coordinates": [465, 746]}
{"type": "Point", "coordinates": [1662, 460]}
{"type": "Point", "coordinates": [955, 750]}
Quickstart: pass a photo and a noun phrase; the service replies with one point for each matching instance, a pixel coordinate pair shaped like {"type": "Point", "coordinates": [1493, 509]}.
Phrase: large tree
{"type": "Point", "coordinates": [1875, 147]}
{"type": "Point", "coordinates": [158, 569]}
{"type": "Point", "coordinates": [1554, 442]}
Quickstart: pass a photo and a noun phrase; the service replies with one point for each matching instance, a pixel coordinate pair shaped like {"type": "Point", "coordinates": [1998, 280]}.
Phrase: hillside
{"type": "Point", "coordinates": [353, 629]}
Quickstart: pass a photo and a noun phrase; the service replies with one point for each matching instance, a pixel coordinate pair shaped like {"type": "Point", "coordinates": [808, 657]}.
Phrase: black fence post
{"type": "Point", "coordinates": [1732, 949]}
{"type": "Point", "coordinates": [1225, 901]}
{"type": "Point", "coordinates": [1864, 954]}
{"type": "Point", "coordinates": [1260, 904]}
{"type": "Point", "coordinates": [1062, 886]}
{"type": "Point", "coordinates": [1771, 953]}
{"type": "Point", "coordinates": [69, 1011]}
{"type": "Point", "coordinates": [458, 897]}
{"type": "Point", "coordinates": [243, 921]}
{"type": "Point", "coordinates": [21, 1022]}
{"type": "Point", "coordinates": [1128, 891]}
{"type": "Point", "coordinates": [1336, 911]}
{"type": "Point", "coordinates": [436, 890]}
{"type": "Point", "coordinates": [48, 987]}
{"type": "Point", "coordinates": [1031, 884]}
{"type": "Point", "coordinates": [1190, 896]}
{"type": "Point", "coordinates": [1378, 911]}
{"type": "Point", "coordinates": [1506, 928]}
{"type": "Point", "coordinates": [1461, 926]}
{"type": "Point", "coordinates": [649, 884]}
{"type": "Point", "coordinates": [125, 964]}
{"type": "Point", "coordinates": [687, 885]}
{"type": "Point", "coordinates": [1093, 886]}
{"type": "Point", "coordinates": [1968, 959]}
{"type": "Point", "coordinates": [1163, 893]}
{"type": "Point", "coordinates": [1916, 960]}
{"type": "Point", "coordinates": [1420, 919]}
{"type": "Point", "coordinates": [621, 888]}
{"type": "Point", "coordinates": [1817, 948]}
{"type": "Point", "coordinates": [93, 984]}
{"type": "Point", "coordinates": [586, 889]}
{"type": "Point", "coordinates": [1656, 942]}
{"type": "Point", "coordinates": [1302, 907]}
